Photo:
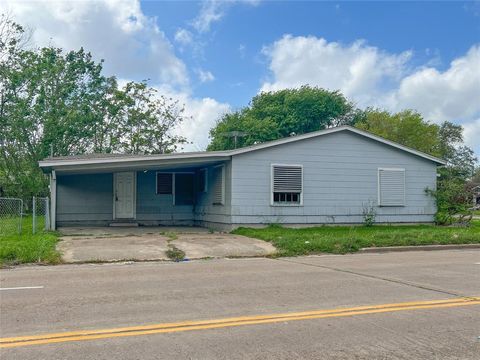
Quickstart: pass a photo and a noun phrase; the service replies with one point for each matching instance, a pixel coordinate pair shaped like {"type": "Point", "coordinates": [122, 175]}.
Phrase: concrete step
{"type": "Point", "coordinates": [123, 224]}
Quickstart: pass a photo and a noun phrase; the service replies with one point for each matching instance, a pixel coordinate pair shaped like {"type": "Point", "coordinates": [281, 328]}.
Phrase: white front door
{"type": "Point", "coordinates": [124, 187]}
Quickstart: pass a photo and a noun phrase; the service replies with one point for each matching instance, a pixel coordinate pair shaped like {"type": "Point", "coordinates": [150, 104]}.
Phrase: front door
{"type": "Point", "coordinates": [124, 186]}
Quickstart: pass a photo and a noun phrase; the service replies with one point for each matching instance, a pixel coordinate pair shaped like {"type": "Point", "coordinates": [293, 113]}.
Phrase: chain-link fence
{"type": "Point", "coordinates": [40, 214]}
{"type": "Point", "coordinates": [11, 212]}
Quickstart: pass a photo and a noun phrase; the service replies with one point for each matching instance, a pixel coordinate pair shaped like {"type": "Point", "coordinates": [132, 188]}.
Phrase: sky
{"type": "Point", "coordinates": [214, 56]}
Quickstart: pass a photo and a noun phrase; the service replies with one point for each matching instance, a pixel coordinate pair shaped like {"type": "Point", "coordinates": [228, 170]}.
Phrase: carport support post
{"type": "Point", "coordinates": [53, 199]}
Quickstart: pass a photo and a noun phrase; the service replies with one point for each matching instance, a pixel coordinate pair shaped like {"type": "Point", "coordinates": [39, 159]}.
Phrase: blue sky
{"type": "Point", "coordinates": [439, 31]}
{"type": "Point", "coordinates": [214, 56]}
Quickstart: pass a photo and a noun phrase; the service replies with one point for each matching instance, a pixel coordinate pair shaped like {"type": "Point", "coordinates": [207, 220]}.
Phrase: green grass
{"type": "Point", "coordinates": [476, 212]}
{"type": "Point", "coordinates": [344, 239]}
{"type": "Point", "coordinates": [175, 254]}
{"type": "Point", "coordinates": [28, 248]}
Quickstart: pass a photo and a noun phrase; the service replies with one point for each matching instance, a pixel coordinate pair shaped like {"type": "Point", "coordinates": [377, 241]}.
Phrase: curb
{"type": "Point", "coordinates": [373, 250]}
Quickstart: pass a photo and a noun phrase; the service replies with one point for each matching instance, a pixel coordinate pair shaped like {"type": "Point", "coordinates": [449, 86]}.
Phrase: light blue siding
{"type": "Point", "coordinates": [85, 199]}
{"type": "Point", "coordinates": [208, 214]}
{"type": "Point", "coordinates": [340, 178]}
{"type": "Point", "coordinates": [340, 173]}
{"type": "Point", "coordinates": [158, 209]}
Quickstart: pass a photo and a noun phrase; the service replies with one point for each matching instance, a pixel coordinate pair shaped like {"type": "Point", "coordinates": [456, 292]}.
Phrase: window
{"type": "Point", "coordinates": [218, 178]}
{"type": "Point", "coordinates": [202, 180]}
{"type": "Point", "coordinates": [184, 188]}
{"type": "Point", "coordinates": [391, 187]}
{"type": "Point", "coordinates": [164, 183]}
{"type": "Point", "coordinates": [287, 185]}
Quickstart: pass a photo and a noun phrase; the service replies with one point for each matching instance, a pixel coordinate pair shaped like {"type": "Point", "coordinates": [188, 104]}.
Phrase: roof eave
{"type": "Point", "coordinates": [113, 164]}
{"type": "Point", "coordinates": [334, 130]}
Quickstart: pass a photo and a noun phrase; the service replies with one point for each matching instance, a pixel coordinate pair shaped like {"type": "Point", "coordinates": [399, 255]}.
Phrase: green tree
{"type": "Point", "coordinates": [410, 129]}
{"type": "Point", "coordinates": [461, 159]}
{"type": "Point", "coordinates": [406, 127]}
{"type": "Point", "coordinates": [61, 103]}
{"type": "Point", "coordinates": [279, 114]}
{"type": "Point", "coordinates": [146, 121]}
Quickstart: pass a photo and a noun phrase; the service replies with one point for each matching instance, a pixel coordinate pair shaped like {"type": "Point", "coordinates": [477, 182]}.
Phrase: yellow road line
{"type": "Point", "coordinates": [230, 322]}
{"type": "Point", "coordinates": [232, 319]}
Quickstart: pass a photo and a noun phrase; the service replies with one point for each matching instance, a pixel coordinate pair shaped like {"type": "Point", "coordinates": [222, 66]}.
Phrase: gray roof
{"type": "Point", "coordinates": [102, 160]}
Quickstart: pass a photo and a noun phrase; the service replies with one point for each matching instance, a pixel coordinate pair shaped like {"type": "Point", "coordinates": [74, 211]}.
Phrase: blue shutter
{"type": "Point", "coordinates": [391, 187]}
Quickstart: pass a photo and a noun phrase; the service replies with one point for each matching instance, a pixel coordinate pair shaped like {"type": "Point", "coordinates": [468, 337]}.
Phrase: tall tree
{"type": "Point", "coordinates": [51, 101]}
{"type": "Point", "coordinates": [274, 115]}
{"type": "Point", "coordinates": [406, 127]}
{"type": "Point", "coordinates": [147, 120]}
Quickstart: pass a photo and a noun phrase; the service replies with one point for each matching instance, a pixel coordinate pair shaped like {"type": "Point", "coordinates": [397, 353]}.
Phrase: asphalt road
{"type": "Point", "coordinates": [291, 305]}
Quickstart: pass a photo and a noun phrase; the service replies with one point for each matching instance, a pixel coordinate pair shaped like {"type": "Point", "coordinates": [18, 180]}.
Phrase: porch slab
{"type": "Point", "coordinates": [105, 231]}
{"type": "Point", "coordinates": [107, 244]}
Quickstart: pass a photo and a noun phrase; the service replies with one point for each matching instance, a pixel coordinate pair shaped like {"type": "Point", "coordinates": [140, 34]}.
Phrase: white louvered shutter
{"type": "Point", "coordinates": [287, 179]}
{"type": "Point", "coordinates": [392, 187]}
{"type": "Point", "coordinates": [219, 186]}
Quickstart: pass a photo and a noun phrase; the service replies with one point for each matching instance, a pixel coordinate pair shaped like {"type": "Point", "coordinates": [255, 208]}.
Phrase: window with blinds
{"type": "Point", "coordinates": [287, 184]}
{"type": "Point", "coordinates": [218, 178]}
{"type": "Point", "coordinates": [165, 183]}
{"type": "Point", "coordinates": [391, 187]}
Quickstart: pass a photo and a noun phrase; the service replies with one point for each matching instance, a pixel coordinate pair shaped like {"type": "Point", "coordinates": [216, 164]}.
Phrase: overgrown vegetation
{"type": "Point", "coordinates": [175, 253]}
{"type": "Point", "coordinates": [60, 103]}
{"type": "Point", "coordinates": [28, 248]}
{"type": "Point", "coordinates": [369, 213]}
{"type": "Point", "coordinates": [345, 239]}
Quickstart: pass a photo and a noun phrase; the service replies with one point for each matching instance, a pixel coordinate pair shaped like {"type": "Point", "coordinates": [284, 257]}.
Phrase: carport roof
{"type": "Point", "coordinates": [108, 162]}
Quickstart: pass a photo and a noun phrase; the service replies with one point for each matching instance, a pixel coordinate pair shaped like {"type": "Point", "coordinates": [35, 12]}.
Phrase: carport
{"type": "Point", "coordinates": [182, 189]}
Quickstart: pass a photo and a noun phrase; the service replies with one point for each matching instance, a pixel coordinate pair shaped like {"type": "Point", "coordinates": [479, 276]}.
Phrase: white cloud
{"type": "Point", "coordinates": [201, 114]}
{"type": "Point", "coordinates": [210, 12]}
{"type": "Point", "coordinates": [205, 76]}
{"type": "Point", "coordinates": [242, 50]}
{"type": "Point", "coordinates": [131, 43]}
{"type": "Point", "coordinates": [183, 37]}
{"type": "Point", "coordinates": [358, 70]}
{"type": "Point", "coordinates": [372, 77]}
{"type": "Point", "coordinates": [214, 10]}
{"type": "Point", "coordinates": [133, 46]}
{"type": "Point", "coordinates": [472, 135]}
{"type": "Point", "coordinates": [453, 94]}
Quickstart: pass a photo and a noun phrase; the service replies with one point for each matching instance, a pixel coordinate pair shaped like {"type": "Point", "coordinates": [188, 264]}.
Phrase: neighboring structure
{"type": "Point", "coordinates": [329, 176]}
{"type": "Point", "coordinates": [476, 197]}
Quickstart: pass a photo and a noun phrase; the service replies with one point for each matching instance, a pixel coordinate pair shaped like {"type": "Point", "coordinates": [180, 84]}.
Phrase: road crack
{"type": "Point", "coordinates": [383, 278]}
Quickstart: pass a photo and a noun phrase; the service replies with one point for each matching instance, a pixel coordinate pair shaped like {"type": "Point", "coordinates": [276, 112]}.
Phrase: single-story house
{"type": "Point", "coordinates": [324, 177]}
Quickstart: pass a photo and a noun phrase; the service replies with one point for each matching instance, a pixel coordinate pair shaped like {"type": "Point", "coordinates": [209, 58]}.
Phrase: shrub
{"type": "Point", "coordinates": [369, 214]}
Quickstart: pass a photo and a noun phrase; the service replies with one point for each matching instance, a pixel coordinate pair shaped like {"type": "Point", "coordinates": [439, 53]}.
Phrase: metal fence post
{"type": "Point", "coordinates": [34, 215]}
{"type": "Point", "coordinates": [21, 217]}
{"type": "Point", "coordinates": [47, 214]}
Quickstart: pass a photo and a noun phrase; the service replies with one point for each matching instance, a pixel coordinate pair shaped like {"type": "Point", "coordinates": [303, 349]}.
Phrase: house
{"type": "Point", "coordinates": [324, 177]}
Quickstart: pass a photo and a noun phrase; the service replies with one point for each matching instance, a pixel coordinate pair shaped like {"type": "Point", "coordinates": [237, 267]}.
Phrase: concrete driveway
{"type": "Point", "coordinates": [108, 244]}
